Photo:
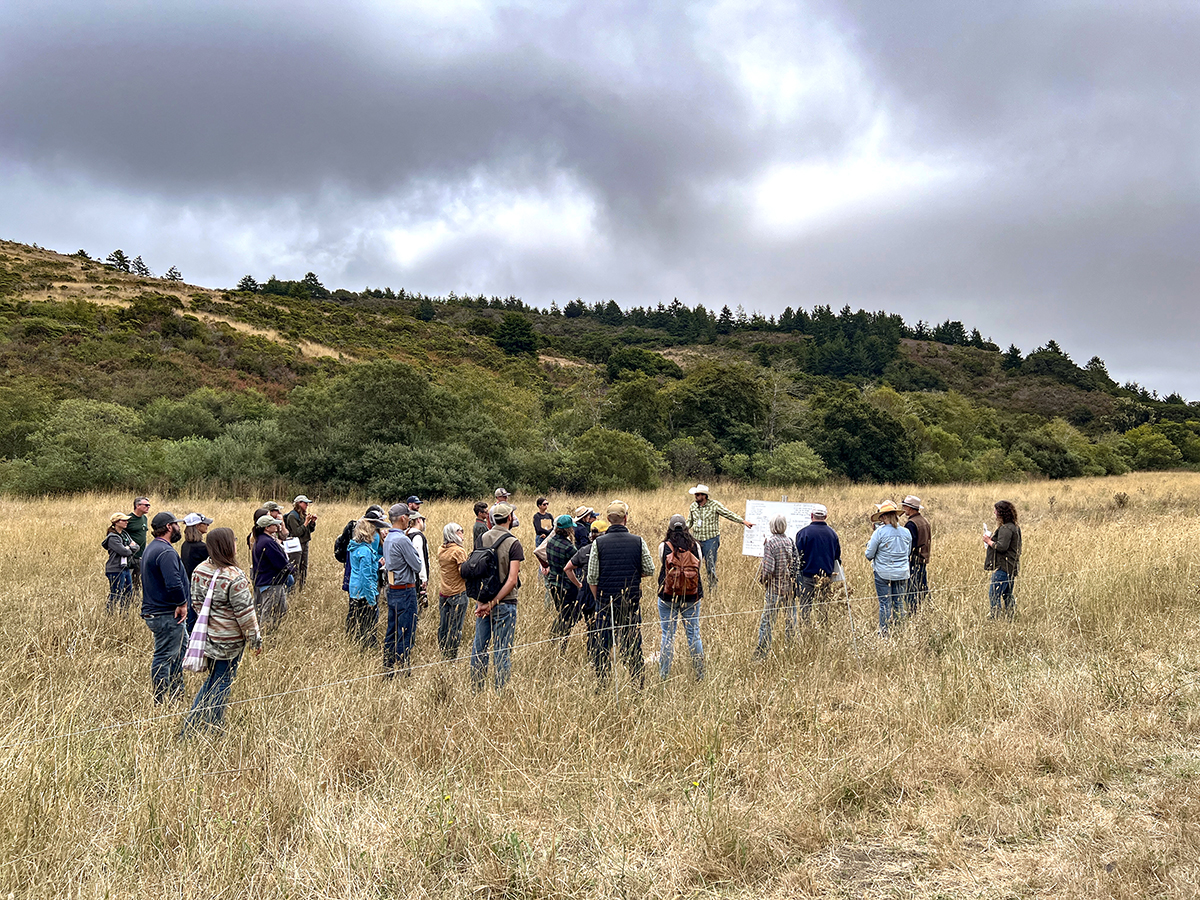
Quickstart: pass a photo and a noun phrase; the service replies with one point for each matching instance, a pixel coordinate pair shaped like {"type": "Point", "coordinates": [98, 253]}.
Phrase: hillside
{"type": "Point", "coordinates": [121, 380]}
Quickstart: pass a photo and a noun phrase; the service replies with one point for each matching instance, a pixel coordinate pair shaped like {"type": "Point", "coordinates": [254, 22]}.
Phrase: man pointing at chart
{"type": "Point", "coordinates": [703, 520]}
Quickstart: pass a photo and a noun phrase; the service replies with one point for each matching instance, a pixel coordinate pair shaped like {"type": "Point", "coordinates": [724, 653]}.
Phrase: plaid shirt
{"type": "Point", "coordinates": [776, 568]}
{"type": "Point", "coordinates": [559, 551]}
{"type": "Point", "coordinates": [702, 520]}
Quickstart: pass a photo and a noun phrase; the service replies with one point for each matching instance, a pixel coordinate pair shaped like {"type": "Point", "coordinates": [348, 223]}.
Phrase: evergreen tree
{"type": "Point", "coordinates": [140, 268]}
{"type": "Point", "coordinates": [248, 284]}
{"type": "Point", "coordinates": [118, 260]}
{"type": "Point", "coordinates": [725, 321]}
{"type": "Point", "coordinates": [173, 274]}
{"type": "Point", "coordinates": [425, 310]}
{"type": "Point", "coordinates": [1012, 358]}
{"type": "Point", "coordinates": [315, 289]}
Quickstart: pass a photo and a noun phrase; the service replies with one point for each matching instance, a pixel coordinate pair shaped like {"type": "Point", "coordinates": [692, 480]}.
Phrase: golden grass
{"type": "Point", "coordinates": [1054, 756]}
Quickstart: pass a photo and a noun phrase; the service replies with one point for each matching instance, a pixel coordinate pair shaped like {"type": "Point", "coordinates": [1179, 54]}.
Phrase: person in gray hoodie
{"type": "Point", "coordinates": [121, 549]}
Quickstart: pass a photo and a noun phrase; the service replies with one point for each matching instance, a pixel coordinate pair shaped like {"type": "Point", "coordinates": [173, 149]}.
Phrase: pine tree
{"type": "Point", "coordinates": [140, 268]}
{"type": "Point", "coordinates": [118, 260]}
{"type": "Point", "coordinates": [248, 284]}
{"type": "Point", "coordinates": [173, 274]}
{"type": "Point", "coordinates": [1012, 358]}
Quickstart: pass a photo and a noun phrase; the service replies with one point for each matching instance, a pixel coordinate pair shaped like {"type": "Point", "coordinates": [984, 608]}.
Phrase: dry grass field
{"type": "Point", "coordinates": [1055, 756]}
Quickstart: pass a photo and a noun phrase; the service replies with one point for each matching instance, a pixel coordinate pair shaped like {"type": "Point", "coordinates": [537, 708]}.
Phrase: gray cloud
{"type": "Point", "coordinates": [1028, 168]}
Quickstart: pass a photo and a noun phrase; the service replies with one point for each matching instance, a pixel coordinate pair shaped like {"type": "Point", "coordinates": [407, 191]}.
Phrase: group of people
{"type": "Point", "coordinates": [591, 569]}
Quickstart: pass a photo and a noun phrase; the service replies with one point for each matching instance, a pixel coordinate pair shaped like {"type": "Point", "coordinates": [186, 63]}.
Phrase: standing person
{"type": "Point", "coordinates": [561, 594]}
{"type": "Point", "coordinates": [543, 522]}
{"type": "Point", "coordinates": [585, 517]}
{"type": "Point", "coordinates": [504, 498]}
{"type": "Point", "coordinates": [481, 524]}
{"type": "Point", "coordinates": [301, 524]}
{"type": "Point", "coordinates": [403, 565]}
{"type": "Point", "coordinates": [416, 534]}
{"type": "Point", "coordinates": [452, 594]}
{"type": "Point", "coordinates": [704, 521]}
{"type": "Point", "coordinates": [819, 551]}
{"type": "Point", "coordinates": [364, 557]}
{"type": "Point", "coordinates": [121, 549]}
{"type": "Point", "coordinates": [414, 507]}
{"type": "Point", "coordinates": [271, 572]}
{"type": "Point", "coordinates": [138, 530]}
{"type": "Point", "coordinates": [232, 624]}
{"type": "Point", "coordinates": [616, 566]}
{"type": "Point", "coordinates": [192, 552]}
{"type": "Point", "coordinates": [496, 617]}
{"type": "Point", "coordinates": [1003, 560]}
{"type": "Point", "coordinates": [575, 572]}
{"type": "Point", "coordinates": [888, 551]}
{"type": "Point", "coordinates": [275, 511]}
{"type": "Point", "coordinates": [918, 558]}
{"type": "Point", "coordinates": [166, 593]}
{"type": "Point", "coordinates": [341, 544]}
{"type": "Point", "coordinates": [679, 593]}
{"type": "Point", "coordinates": [775, 572]}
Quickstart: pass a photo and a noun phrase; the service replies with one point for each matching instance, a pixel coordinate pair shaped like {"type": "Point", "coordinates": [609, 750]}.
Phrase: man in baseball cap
{"type": "Point", "coordinates": [166, 595]}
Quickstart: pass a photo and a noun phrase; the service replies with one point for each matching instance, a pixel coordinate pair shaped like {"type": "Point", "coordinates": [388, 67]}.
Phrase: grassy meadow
{"type": "Point", "coordinates": [1056, 755]}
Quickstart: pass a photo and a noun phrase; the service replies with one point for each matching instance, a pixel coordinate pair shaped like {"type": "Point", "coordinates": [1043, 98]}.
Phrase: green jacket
{"type": "Point", "coordinates": [296, 527]}
{"type": "Point", "coordinates": [137, 529]}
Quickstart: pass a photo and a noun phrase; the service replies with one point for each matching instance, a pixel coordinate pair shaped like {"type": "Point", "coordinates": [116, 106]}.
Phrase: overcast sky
{"type": "Point", "coordinates": [1032, 169]}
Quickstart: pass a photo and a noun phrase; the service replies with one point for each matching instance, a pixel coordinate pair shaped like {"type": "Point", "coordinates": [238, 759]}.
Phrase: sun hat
{"type": "Point", "coordinates": [699, 489]}
{"type": "Point", "coordinates": [564, 521]}
{"type": "Point", "coordinates": [887, 506]}
{"type": "Point", "coordinates": [196, 519]}
{"type": "Point", "coordinates": [119, 517]}
{"type": "Point", "coordinates": [378, 520]}
{"type": "Point", "coordinates": [912, 502]}
{"type": "Point", "coordinates": [266, 521]}
{"type": "Point", "coordinates": [582, 512]}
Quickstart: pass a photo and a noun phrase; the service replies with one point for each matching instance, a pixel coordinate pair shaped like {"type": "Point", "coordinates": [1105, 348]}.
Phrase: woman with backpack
{"type": "Point", "coordinates": [775, 572]}
{"type": "Point", "coordinates": [366, 550]}
{"type": "Point", "coordinates": [679, 593]}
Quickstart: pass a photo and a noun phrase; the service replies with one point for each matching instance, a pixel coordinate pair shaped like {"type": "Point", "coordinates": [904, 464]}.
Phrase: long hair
{"type": "Point", "coordinates": [364, 531]}
{"type": "Point", "coordinates": [222, 547]}
{"type": "Point", "coordinates": [680, 538]}
{"type": "Point", "coordinates": [890, 518]}
{"type": "Point", "coordinates": [192, 533]}
{"type": "Point", "coordinates": [1006, 511]}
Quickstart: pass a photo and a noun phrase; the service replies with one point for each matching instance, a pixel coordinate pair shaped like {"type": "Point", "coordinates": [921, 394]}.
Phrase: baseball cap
{"type": "Point", "coordinates": [414, 499]}
{"type": "Point", "coordinates": [162, 520]}
{"type": "Point", "coordinates": [396, 510]}
{"type": "Point", "coordinates": [500, 511]}
{"type": "Point", "coordinates": [196, 519]}
{"type": "Point", "coordinates": [564, 521]}
{"type": "Point", "coordinates": [266, 521]}
{"type": "Point", "coordinates": [116, 517]}
{"type": "Point", "coordinates": [301, 499]}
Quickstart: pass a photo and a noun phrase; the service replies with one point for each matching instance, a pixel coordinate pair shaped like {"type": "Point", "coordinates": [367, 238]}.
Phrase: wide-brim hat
{"type": "Point", "coordinates": [378, 521]}
{"type": "Point", "coordinates": [912, 502]}
{"type": "Point", "coordinates": [887, 506]}
{"type": "Point", "coordinates": [699, 489]}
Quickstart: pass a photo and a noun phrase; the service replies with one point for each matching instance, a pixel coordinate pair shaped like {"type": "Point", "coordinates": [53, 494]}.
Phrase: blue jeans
{"type": "Point", "coordinates": [166, 666]}
{"type": "Point", "coordinates": [451, 612]}
{"type": "Point", "coordinates": [668, 617]}
{"type": "Point", "coordinates": [213, 698]}
{"type": "Point", "coordinates": [401, 628]}
{"type": "Point", "coordinates": [120, 590]}
{"type": "Point", "coordinates": [1000, 594]}
{"type": "Point", "coordinates": [771, 605]}
{"type": "Point", "coordinates": [498, 629]}
{"type": "Point", "coordinates": [709, 548]}
{"type": "Point", "coordinates": [891, 601]}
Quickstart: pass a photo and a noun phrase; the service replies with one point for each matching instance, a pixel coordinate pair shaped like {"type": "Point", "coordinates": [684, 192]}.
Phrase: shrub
{"type": "Point", "coordinates": [603, 459]}
{"type": "Point", "coordinates": [792, 463]}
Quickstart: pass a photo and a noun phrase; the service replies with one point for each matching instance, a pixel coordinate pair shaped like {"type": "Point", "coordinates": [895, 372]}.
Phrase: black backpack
{"type": "Point", "coordinates": [341, 546]}
{"type": "Point", "coordinates": [481, 571]}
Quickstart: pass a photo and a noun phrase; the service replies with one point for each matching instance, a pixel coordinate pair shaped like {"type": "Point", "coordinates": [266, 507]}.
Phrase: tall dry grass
{"type": "Point", "coordinates": [1055, 756]}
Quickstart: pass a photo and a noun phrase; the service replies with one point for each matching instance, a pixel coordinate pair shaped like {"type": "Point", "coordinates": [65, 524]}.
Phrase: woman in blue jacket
{"type": "Point", "coordinates": [366, 549]}
{"type": "Point", "coordinates": [888, 552]}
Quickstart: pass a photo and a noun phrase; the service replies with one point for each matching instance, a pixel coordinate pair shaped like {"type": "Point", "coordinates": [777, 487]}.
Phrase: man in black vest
{"type": "Point", "coordinates": [618, 563]}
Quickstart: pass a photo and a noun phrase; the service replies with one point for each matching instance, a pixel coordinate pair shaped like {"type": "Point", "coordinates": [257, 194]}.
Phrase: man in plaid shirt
{"type": "Point", "coordinates": [704, 523]}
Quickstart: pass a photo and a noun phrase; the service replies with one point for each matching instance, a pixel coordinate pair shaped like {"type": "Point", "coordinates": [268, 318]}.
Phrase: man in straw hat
{"type": "Point", "coordinates": [616, 566]}
{"type": "Point", "coordinates": [703, 520]}
{"type": "Point", "coordinates": [918, 558]}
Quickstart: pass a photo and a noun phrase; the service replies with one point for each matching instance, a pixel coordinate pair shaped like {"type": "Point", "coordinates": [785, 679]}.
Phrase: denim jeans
{"type": "Point", "coordinates": [362, 617]}
{"type": "Point", "coordinates": [772, 603]}
{"type": "Point", "coordinates": [891, 601]}
{"type": "Point", "coordinates": [451, 612]}
{"type": "Point", "coordinates": [166, 666]}
{"type": "Point", "coordinates": [669, 615]}
{"type": "Point", "coordinates": [709, 548]}
{"type": "Point", "coordinates": [918, 586]}
{"type": "Point", "coordinates": [120, 590]}
{"type": "Point", "coordinates": [401, 629]}
{"type": "Point", "coordinates": [498, 629]}
{"type": "Point", "coordinates": [213, 698]}
{"type": "Point", "coordinates": [1000, 594]}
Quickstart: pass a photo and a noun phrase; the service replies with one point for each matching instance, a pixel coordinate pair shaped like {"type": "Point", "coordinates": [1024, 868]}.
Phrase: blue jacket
{"type": "Point", "coordinates": [364, 568]}
{"type": "Point", "coordinates": [888, 551]}
{"type": "Point", "coordinates": [165, 584]}
{"type": "Point", "coordinates": [819, 548]}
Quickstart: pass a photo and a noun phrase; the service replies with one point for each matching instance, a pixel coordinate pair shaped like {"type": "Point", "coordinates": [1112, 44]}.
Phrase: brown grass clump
{"type": "Point", "coordinates": [1055, 755]}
